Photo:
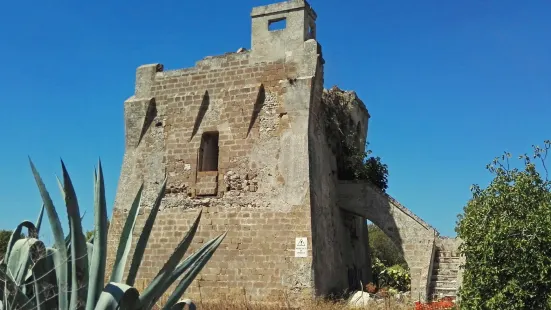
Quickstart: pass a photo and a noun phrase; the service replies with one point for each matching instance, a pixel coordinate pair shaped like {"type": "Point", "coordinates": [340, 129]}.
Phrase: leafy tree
{"type": "Point", "coordinates": [506, 233]}
{"type": "Point", "coordinates": [374, 171]}
{"type": "Point", "coordinates": [5, 236]}
{"type": "Point", "coordinates": [4, 240]}
{"type": "Point", "coordinates": [356, 165]}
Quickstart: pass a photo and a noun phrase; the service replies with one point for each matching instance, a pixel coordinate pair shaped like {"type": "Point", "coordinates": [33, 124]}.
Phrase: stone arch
{"type": "Point", "coordinates": [413, 237]}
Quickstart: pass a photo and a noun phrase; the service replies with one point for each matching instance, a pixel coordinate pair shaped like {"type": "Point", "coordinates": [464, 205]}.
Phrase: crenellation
{"type": "Point", "coordinates": [244, 138]}
{"type": "Point", "coordinates": [145, 76]}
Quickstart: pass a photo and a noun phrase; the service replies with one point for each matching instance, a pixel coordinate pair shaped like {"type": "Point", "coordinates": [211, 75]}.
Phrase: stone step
{"type": "Point", "coordinates": [445, 271]}
{"type": "Point", "coordinates": [436, 277]}
{"type": "Point", "coordinates": [445, 290]}
{"type": "Point", "coordinates": [444, 285]}
{"type": "Point", "coordinates": [444, 293]}
{"type": "Point", "coordinates": [439, 253]}
{"type": "Point", "coordinates": [447, 259]}
{"type": "Point", "coordinates": [445, 266]}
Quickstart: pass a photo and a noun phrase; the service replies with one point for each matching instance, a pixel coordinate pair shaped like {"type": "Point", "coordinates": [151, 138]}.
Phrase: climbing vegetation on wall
{"type": "Point", "coordinates": [367, 168]}
{"type": "Point", "coordinates": [506, 233]}
{"type": "Point", "coordinates": [343, 136]}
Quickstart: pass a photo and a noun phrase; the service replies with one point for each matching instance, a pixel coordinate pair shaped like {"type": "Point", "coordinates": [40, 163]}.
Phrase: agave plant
{"type": "Point", "coordinates": [71, 273]}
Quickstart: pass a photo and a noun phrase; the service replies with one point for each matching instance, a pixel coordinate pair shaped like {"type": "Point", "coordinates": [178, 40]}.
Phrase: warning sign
{"type": "Point", "coordinates": [301, 247]}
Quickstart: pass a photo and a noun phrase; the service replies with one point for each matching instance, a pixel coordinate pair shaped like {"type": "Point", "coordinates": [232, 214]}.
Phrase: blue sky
{"type": "Point", "coordinates": [449, 85]}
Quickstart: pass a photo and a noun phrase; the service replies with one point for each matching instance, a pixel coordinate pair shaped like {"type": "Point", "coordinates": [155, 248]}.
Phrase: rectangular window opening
{"type": "Point", "coordinates": [277, 24]}
{"type": "Point", "coordinates": [311, 32]}
{"type": "Point", "coordinates": [208, 153]}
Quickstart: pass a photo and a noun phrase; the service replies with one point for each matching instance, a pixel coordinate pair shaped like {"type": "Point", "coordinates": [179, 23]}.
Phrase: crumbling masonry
{"type": "Point", "coordinates": [244, 137]}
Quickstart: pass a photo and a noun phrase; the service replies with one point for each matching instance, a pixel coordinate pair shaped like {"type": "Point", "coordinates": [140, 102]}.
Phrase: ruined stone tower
{"type": "Point", "coordinates": [244, 137]}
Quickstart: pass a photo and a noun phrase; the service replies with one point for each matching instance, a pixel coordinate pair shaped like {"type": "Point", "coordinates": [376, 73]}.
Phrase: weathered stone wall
{"type": "Point", "coordinates": [341, 245]}
{"type": "Point", "coordinates": [452, 245]}
{"type": "Point", "coordinates": [259, 104]}
{"type": "Point", "coordinates": [412, 235]}
{"type": "Point", "coordinates": [277, 169]}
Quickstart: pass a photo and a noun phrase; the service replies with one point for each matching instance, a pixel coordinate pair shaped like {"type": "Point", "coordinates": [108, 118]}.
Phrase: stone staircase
{"type": "Point", "coordinates": [444, 274]}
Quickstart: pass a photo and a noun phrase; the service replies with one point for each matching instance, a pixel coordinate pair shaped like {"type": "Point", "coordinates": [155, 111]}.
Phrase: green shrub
{"type": "Point", "coordinates": [382, 248]}
{"type": "Point", "coordinates": [396, 277]}
{"type": "Point", "coordinates": [506, 233]}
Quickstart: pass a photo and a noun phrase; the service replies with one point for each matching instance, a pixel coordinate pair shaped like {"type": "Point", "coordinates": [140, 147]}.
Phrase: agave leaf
{"type": "Point", "coordinates": [126, 239]}
{"type": "Point", "coordinates": [2, 285]}
{"type": "Point", "coordinates": [117, 296]}
{"type": "Point", "coordinates": [184, 266]}
{"type": "Point", "coordinates": [59, 238]}
{"type": "Point", "coordinates": [144, 237]}
{"type": "Point", "coordinates": [182, 304]}
{"type": "Point", "coordinates": [39, 220]}
{"type": "Point", "coordinates": [90, 249]}
{"type": "Point", "coordinates": [43, 287]}
{"type": "Point", "coordinates": [20, 260]}
{"type": "Point", "coordinates": [38, 293]}
{"type": "Point", "coordinates": [79, 250]}
{"type": "Point", "coordinates": [99, 251]}
{"type": "Point", "coordinates": [154, 290]}
{"type": "Point", "coordinates": [60, 185]}
{"type": "Point", "coordinates": [190, 275]}
{"type": "Point", "coordinates": [68, 241]}
{"type": "Point", "coordinates": [52, 263]}
{"type": "Point", "coordinates": [16, 235]}
{"type": "Point", "coordinates": [36, 254]}
{"type": "Point", "coordinates": [16, 298]}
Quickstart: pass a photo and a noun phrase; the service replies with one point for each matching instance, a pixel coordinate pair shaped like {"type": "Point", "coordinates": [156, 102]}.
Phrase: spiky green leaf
{"type": "Point", "coordinates": [79, 250]}
{"type": "Point", "coordinates": [154, 290]}
{"type": "Point", "coordinates": [19, 260]}
{"type": "Point", "coordinates": [144, 237]}
{"type": "Point", "coordinates": [59, 238]}
{"type": "Point", "coordinates": [99, 252]}
{"type": "Point", "coordinates": [188, 262]}
{"type": "Point", "coordinates": [193, 271]}
{"type": "Point", "coordinates": [39, 220]}
{"type": "Point", "coordinates": [118, 296]}
{"type": "Point", "coordinates": [126, 239]}
{"type": "Point", "coordinates": [16, 235]}
{"type": "Point", "coordinates": [42, 280]}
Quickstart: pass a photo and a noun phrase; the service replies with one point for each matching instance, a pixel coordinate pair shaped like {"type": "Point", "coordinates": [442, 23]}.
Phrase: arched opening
{"type": "Point", "coordinates": [389, 267]}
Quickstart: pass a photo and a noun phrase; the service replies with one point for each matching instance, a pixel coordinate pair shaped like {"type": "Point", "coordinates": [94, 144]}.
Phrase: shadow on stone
{"type": "Point", "coordinates": [413, 237]}
{"type": "Point", "coordinates": [259, 103]}
{"type": "Point", "coordinates": [201, 114]}
{"type": "Point", "coordinates": [149, 117]}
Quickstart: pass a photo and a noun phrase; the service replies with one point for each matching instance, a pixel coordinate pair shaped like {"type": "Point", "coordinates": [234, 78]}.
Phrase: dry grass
{"type": "Point", "coordinates": [310, 305]}
{"type": "Point", "coordinates": [242, 302]}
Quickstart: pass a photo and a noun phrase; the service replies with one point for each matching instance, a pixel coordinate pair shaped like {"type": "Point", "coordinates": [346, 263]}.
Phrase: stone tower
{"type": "Point", "coordinates": [244, 137]}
